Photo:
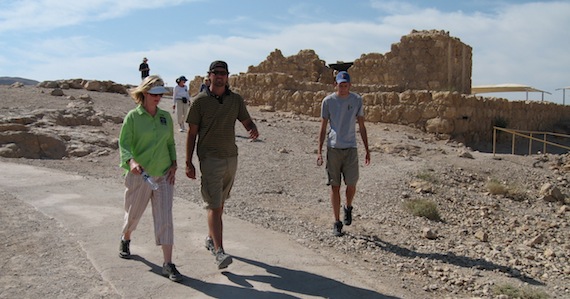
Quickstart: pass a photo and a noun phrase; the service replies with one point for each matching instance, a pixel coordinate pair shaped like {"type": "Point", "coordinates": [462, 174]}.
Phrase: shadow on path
{"type": "Point", "coordinates": [293, 281]}
{"type": "Point", "coordinates": [302, 282]}
{"type": "Point", "coordinates": [216, 290]}
{"type": "Point", "coordinates": [450, 258]}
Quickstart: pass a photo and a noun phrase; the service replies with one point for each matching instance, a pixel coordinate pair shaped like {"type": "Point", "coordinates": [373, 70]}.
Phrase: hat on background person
{"type": "Point", "coordinates": [159, 89]}
{"type": "Point", "coordinates": [219, 64]}
{"type": "Point", "coordinates": [342, 77]}
{"type": "Point", "coordinates": [181, 78]}
{"type": "Point", "coordinates": [144, 59]}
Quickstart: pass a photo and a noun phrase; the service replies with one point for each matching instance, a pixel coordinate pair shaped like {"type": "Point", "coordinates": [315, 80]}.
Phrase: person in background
{"type": "Point", "coordinates": [181, 99]}
{"type": "Point", "coordinates": [342, 109]}
{"type": "Point", "coordinates": [205, 84]}
{"type": "Point", "coordinates": [146, 144]}
{"type": "Point", "coordinates": [212, 117]}
{"type": "Point", "coordinates": [144, 69]}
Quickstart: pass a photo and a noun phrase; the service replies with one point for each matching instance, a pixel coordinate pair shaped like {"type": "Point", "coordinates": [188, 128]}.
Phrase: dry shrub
{"type": "Point", "coordinates": [423, 208]}
{"type": "Point", "coordinates": [517, 194]}
{"type": "Point", "coordinates": [520, 293]}
{"type": "Point", "coordinates": [497, 188]}
{"type": "Point", "coordinates": [428, 176]}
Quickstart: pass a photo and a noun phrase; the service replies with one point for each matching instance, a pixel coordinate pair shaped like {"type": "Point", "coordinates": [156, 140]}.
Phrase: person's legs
{"type": "Point", "coordinates": [136, 199]}
{"type": "Point", "coordinates": [350, 192]}
{"type": "Point", "coordinates": [180, 113]}
{"type": "Point", "coordinates": [137, 195]}
{"type": "Point", "coordinates": [351, 175]}
{"type": "Point", "coordinates": [162, 201]}
{"type": "Point", "coordinates": [335, 201]}
{"type": "Point", "coordinates": [167, 253]}
{"type": "Point", "coordinates": [334, 167]}
{"type": "Point", "coordinates": [185, 109]}
{"type": "Point", "coordinates": [212, 184]}
{"type": "Point", "coordinates": [217, 180]}
{"type": "Point", "coordinates": [168, 268]}
{"type": "Point", "coordinates": [215, 227]}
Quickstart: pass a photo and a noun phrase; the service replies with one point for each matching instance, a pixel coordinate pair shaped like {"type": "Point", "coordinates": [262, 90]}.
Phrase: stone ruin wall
{"type": "Point", "coordinates": [465, 118]}
{"type": "Point", "coordinates": [430, 60]}
{"type": "Point", "coordinates": [435, 99]}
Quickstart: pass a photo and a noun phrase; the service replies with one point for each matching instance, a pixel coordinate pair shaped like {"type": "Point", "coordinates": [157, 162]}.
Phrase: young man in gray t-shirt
{"type": "Point", "coordinates": [342, 110]}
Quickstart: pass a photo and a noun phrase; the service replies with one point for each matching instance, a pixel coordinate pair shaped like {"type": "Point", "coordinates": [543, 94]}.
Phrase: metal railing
{"type": "Point", "coordinates": [530, 135]}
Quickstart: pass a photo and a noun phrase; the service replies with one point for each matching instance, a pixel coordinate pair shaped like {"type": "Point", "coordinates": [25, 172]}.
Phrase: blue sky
{"type": "Point", "coordinates": [513, 41]}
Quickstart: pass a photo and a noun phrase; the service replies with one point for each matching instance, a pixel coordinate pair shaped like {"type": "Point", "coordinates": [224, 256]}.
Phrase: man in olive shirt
{"type": "Point", "coordinates": [212, 118]}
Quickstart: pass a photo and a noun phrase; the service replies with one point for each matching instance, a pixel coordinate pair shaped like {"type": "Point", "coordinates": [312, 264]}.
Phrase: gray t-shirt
{"type": "Point", "coordinates": [342, 113]}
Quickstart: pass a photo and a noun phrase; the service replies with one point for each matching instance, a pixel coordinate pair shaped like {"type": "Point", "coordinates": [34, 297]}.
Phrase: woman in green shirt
{"type": "Point", "coordinates": [147, 151]}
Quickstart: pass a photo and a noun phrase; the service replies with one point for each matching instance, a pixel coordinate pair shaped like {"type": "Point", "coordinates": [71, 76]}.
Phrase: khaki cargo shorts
{"type": "Point", "coordinates": [342, 163]}
{"type": "Point", "coordinates": [217, 180]}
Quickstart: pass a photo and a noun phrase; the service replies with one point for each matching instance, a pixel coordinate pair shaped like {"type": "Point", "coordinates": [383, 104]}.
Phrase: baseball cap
{"type": "Point", "coordinates": [158, 90]}
{"type": "Point", "coordinates": [342, 77]}
{"type": "Point", "coordinates": [181, 78]}
{"type": "Point", "coordinates": [219, 64]}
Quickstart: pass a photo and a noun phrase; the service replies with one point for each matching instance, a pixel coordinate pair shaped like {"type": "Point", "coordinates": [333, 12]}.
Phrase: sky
{"type": "Point", "coordinates": [513, 41]}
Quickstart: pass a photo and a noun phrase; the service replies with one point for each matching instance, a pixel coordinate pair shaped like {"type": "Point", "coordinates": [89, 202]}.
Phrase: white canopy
{"type": "Point", "coordinates": [504, 88]}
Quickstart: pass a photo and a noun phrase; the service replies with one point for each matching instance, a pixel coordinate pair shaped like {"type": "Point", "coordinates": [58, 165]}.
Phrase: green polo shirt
{"type": "Point", "coordinates": [147, 139]}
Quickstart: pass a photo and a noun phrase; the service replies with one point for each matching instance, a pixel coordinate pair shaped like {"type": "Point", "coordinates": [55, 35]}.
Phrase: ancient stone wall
{"type": "Point", "coordinates": [424, 82]}
{"type": "Point", "coordinates": [305, 66]}
{"type": "Point", "coordinates": [422, 60]}
{"type": "Point", "coordinates": [430, 60]}
{"type": "Point", "coordinates": [466, 118]}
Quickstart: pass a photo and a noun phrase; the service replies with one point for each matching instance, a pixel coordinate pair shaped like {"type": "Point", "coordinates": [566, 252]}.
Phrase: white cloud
{"type": "Point", "coordinates": [42, 15]}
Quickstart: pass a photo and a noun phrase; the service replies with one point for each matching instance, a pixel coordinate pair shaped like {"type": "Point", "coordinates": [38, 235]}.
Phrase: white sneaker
{"type": "Point", "coordinates": [223, 260]}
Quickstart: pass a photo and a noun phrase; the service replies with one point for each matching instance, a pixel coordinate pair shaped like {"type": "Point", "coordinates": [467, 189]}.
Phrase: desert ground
{"type": "Point", "coordinates": [484, 240]}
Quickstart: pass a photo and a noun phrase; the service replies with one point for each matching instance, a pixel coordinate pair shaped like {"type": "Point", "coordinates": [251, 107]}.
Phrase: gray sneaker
{"type": "Point", "coordinates": [169, 270]}
{"type": "Point", "coordinates": [210, 245]}
{"type": "Point", "coordinates": [223, 260]}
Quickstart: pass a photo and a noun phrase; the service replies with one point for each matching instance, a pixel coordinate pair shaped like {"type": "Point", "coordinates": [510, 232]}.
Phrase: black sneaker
{"type": "Point", "coordinates": [169, 270]}
{"type": "Point", "coordinates": [337, 230]}
{"type": "Point", "coordinates": [223, 260]}
{"type": "Point", "coordinates": [124, 251]}
{"type": "Point", "coordinates": [210, 245]}
{"type": "Point", "coordinates": [347, 215]}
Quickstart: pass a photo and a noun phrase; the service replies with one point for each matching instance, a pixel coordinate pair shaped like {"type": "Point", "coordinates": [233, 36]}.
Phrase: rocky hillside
{"type": "Point", "coordinates": [12, 80]}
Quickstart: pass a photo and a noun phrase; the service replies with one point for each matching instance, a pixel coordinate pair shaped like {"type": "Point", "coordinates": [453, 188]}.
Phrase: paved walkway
{"type": "Point", "coordinates": [266, 264]}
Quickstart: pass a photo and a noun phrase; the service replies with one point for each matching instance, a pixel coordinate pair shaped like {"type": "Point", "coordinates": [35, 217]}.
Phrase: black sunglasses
{"type": "Point", "coordinates": [219, 73]}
